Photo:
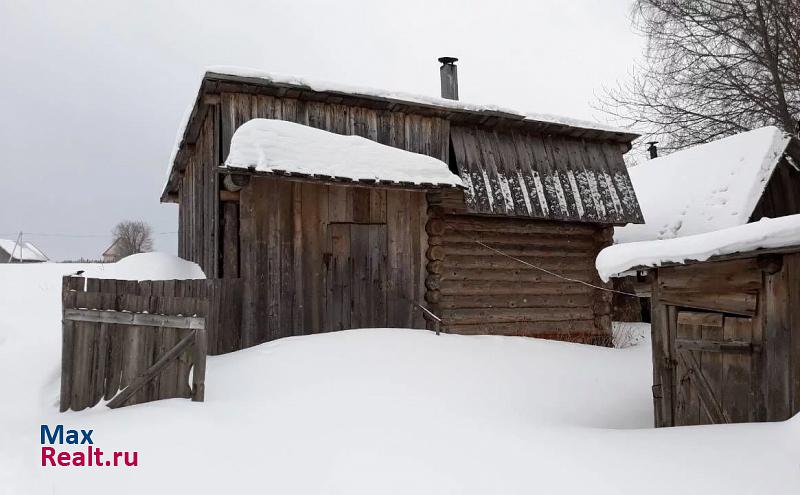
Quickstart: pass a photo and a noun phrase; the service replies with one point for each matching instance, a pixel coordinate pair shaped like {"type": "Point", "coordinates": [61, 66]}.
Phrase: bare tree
{"type": "Point", "coordinates": [712, 68]}
{"type": "Point", "coordinates": [133, 237]}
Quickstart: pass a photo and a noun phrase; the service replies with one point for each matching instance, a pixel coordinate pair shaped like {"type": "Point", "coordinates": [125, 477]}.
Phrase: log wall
{"type": "Point", "coordinates": [295, 240]}
{"type": "Point", "coordinates": [477, 290]}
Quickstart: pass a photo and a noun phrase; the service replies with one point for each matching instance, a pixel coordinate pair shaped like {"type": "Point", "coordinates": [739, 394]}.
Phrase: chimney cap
{"type": "Point", "coordinates": [448, 60]}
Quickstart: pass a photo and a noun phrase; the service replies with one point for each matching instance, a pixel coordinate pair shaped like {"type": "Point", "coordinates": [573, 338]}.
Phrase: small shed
{"type": "Point", "coordinates": [537, 188]}
{"type": "Point", "coordinates": [725, 321]}
{"type": "Point", "coordinates": [725, 183]}
{"type": "Point", "coordinates": [18, 251]}
{"type": "Point", "coordinates": [113, 253]}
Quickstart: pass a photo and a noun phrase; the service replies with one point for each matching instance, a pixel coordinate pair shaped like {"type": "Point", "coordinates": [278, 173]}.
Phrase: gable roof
{"type": "Point", "coordinates": [112, 249]}
{"type": "Point", "coordinates": [706, 187]}
{"type": "Point", "coordinates": [574, 183]}
{"type": "Point", "coordinates": [24, 251]}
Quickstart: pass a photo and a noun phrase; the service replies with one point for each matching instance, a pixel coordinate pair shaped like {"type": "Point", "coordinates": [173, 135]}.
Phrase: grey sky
{"type": "Point", "coordinates": [92, 92]}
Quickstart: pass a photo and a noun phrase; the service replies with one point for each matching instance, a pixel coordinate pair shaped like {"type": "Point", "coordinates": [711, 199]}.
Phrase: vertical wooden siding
{"type": "Point", "coordinates": [198, 215]}
{"type": "Point", "coordinates": [286, 245]}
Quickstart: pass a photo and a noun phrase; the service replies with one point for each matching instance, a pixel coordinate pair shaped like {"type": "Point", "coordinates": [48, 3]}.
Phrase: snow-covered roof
{"type": "Point", "coordinates": [287, 148]}
{"type": "Point", "coordinates": [704, 188]}
{"type": "Point", "coordinates": [767, 233]}
{"type": "Point", "coordinates": [24, 251]}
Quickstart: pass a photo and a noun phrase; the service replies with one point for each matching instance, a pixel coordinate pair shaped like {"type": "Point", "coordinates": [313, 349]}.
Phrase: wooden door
{"type": "Point", "coordinates": [356, 276]}
{"type": "Point", "coordinates": [714, 366]}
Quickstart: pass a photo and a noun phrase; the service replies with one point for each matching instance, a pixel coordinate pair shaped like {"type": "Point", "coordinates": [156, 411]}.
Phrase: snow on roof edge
{"type": "Point", "coordinates": [321, 86]}
{"type": "Point", "coordinates": [273, 145]}
{"type": "Point", "coordinates": [767, 233]}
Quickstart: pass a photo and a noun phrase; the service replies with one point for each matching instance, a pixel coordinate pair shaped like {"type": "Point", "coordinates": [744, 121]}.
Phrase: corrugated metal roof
{"type": "Point", "coordinates": [552, 177]}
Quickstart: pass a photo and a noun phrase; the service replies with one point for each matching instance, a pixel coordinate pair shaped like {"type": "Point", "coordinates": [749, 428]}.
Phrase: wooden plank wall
{"type": "Point", "coordinates": [99, 359]}
{"type": "Point", "coordinates": [285, 244]}
{"type": "Point", "coordinates": [198, 212]}
{"type": "Point", "coordinates": [758, 290]}
{"type": "Point", "coordinates": [417, 133]}
{"type": "Point", "coordinates": [478, 291]}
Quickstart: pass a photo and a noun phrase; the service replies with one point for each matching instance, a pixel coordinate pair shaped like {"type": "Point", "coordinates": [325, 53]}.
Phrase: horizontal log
{"type": "Point", "coordinates": [517, 301]}
{"type": "Point", "coordinates": [435, 253]}
{"type": "Point", "coordinates": [225, 195]}
{"type": "Point", "coordinates": [478, 287]}
{"type": "Point", "coordinates": [555, 265]}
{"type": "Point", "coordinates": [435, 226]}
{"type": "Point", "coordinates": [543, 241]}
{"type": "Point", "coordinates": [740, 303]}
{"type": "Point", "coordinates": [544, 329]}
{"type": "Point", "coordinates": [517, 226]}
{"type": "Point", "coordinates": [138, 319]}
{"type": "Point", "coordinates": [520, 273]}
{"type": "Point", "coordinates": [504, 315]}
{"type": "Point", "coordinates": [540, 250]}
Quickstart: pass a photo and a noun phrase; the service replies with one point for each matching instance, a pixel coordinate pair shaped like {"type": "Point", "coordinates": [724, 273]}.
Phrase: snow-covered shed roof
{"type": "Point", "coordinates": [290, 149]}
{"type": "Point", "coordinates": [767, 233]}
{"type": "Point", "coordinates": [24, 251]}
{"type": "Point", "coordinates": [511, 162]}
{"type": "Point", "coordinates": [705, 188]}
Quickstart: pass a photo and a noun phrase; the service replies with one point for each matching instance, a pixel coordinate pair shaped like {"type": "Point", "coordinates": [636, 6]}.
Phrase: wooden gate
{"type": "Point", "coordinates": [356, 276]}
{"type": "Point", "coordinates": [713, 363]}
{"type": "Point", "coordinates": [130, 342]}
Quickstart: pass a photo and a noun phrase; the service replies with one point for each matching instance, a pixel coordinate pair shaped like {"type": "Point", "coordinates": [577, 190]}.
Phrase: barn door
{"type": "Point", "coordinates": [356, 276]}
{"type": "Point", "coordinates": [714, 356]}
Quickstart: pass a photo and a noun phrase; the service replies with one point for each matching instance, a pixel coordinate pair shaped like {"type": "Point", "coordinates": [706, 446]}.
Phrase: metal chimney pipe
{"type": "Point", "coordinates": [448, 73]}
{"type": "Point", "coordinates": [652, 149]}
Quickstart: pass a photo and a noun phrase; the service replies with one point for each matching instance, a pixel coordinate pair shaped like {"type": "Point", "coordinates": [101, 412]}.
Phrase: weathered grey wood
{"type": "Point", "coordinates": [150, 372]}
{"type": "Point", "coordinates": [199, 371]}
{"type": "Point", "coordinates": [116, 317]}
{"type": "Point", "coordinates": [705, 392]}
{"type": "Point", "coordinates": [714, 345]}
{"type": "Point", "coordinates": [67, 364]}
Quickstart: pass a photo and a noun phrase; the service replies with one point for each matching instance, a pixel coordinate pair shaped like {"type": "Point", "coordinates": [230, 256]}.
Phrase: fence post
{"type": "Point", "coordinates": [199, 351]}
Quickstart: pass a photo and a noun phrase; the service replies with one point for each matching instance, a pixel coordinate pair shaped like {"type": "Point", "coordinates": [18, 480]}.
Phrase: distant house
{"type": "Point", "coordinates": [709, 187]}
{"type": "Point", "coordinates": [22, 252]}
{"type": "Point", "coordinates": [322, 243]}
{"type": "Point", "coordinates": [113, 253]}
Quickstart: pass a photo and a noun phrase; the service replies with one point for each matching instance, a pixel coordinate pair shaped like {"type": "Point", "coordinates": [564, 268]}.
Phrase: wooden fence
{"type": "Point", "coordinates": [131, 342]}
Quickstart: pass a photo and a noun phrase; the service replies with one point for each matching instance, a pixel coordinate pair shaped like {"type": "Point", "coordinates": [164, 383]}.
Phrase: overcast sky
{"type": "Point", "coordinates": [91, 92]}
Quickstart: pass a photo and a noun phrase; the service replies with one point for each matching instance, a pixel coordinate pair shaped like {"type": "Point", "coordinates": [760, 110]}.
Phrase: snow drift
{"type": "Point", "coordinates": [378, 411]}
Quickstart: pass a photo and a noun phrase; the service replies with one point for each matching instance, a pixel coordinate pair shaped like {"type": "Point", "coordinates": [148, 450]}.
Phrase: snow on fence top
{"type": "Point", "coordinates": [24, 251]}
{"type": "Point", "coordinates": [767, 233]}
{"type": "Point", "coordinates": [704, 188]}
{"type": "Point", "coordinates": [283, 147]}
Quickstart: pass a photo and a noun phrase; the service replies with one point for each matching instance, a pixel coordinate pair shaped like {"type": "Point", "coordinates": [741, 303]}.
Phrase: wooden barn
{"type": "Point", "coordinates": [729, 182]}
{"type": "Point", "coordinates": [319, 251]}
{"type": "Point", "coordinates": [726, 330]}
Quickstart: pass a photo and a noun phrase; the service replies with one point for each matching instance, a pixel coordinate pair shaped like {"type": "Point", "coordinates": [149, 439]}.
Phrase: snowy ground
{"type": "Point", "coordinates": [378, 411]}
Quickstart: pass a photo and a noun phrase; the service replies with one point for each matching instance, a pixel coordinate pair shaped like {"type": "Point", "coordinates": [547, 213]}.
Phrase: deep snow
{"type": "Point", "coordinates": [378, 411]}
{"type": "Point", "coordinates": [269, 145]}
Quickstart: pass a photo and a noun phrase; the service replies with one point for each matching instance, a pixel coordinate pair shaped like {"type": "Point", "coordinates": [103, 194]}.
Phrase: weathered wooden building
{"type": "Point", "coordinates": [19, 251]}
{"type": "Point", "coordinates": [536, 190]}
{"type": "Point", "coordinates": [725, 183]}
{"type": "Point", "coordinates": [726, 330]}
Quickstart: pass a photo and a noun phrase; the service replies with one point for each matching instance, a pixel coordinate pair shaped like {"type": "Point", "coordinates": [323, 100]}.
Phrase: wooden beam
{"type": "Point", "coordinates": [151, 372]}
{"type": "Point", "coordinates": [138, 319]}
{"type": "Point", "coordinates": [715, 345]}
{"type": "Point", "coordinates": [199, 351]}
{"type": "Point", "coordinates": [229, 196]}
